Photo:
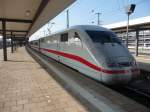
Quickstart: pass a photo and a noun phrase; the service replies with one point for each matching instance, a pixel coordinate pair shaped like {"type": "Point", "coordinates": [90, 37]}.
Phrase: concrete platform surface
{"type": "Point", "coordinates": [143, 59]}
{"type": "Point", "coordinates": [26, 87]}
{"type": "Point", "coordinates": [144, 62]}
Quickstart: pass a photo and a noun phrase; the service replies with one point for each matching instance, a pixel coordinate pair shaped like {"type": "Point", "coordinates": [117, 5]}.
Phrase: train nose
{"type": "Point", "coordinates": [117, 76]}
{"type": "Point", "coordinates": [120, 76]}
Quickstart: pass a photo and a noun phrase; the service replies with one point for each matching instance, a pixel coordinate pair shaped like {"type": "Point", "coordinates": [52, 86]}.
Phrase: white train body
{"type": "Point", "coordinates": [93, 51]}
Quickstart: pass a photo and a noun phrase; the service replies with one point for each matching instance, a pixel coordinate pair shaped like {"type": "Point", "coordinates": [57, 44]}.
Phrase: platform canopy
{"type": "Point", "coordinates": [142, 23]}
{"type": "Point", "coordinates": [24, 17]}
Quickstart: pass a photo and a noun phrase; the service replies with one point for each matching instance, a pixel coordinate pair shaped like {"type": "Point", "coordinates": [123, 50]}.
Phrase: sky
{"type": "Point", "coordinates": [83, 12]}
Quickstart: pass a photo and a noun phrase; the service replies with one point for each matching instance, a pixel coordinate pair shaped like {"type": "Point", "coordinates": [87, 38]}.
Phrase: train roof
{"type": "Point", "coordinates": [89, 27]}
{"type": "Point", "coordinates": [82, 28]}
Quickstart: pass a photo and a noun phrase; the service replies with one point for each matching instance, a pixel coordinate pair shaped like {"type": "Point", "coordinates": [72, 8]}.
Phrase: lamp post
{"type": "Point", "coordinates": [129, 10]}
{"type": "Point", "coordinates": [67, 18]}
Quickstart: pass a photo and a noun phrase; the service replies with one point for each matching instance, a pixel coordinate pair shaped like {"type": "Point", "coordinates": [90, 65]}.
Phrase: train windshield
{"type": "Point", "coordinates": [103, 37]}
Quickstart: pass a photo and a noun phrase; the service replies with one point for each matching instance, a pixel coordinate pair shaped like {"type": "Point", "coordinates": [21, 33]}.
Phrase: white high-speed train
{"type": "Point", "coordinates": [92, 50]}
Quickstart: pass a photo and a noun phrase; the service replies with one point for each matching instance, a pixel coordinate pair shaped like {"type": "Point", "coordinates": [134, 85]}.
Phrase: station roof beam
{"type": "Point", "coordinates": [142, 23]}
{"type": "Point", "coordinates": [27, 16]}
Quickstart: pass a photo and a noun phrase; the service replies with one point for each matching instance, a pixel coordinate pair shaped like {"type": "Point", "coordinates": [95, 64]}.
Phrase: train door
{"type": "Point", "coordinates": [63, 45]}
{"type": "Point", "coordinates": [56, 40]}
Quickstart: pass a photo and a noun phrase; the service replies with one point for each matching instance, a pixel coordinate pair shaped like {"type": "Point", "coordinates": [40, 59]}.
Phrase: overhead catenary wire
{"type": "Point", "coordinates": [120, 9]}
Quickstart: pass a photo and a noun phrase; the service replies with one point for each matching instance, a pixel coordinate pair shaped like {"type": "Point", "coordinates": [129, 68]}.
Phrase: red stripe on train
{"type": "Point", "coordinates": [74, 57]}
{"type": "Point", "coordinates": [85, 62]}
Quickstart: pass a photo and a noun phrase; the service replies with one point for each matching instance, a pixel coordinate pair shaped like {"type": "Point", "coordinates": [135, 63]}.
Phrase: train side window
{"type": "Point", "coordinates": [76, 37]}
{"type": "Point", "coordinates": [64, 37]}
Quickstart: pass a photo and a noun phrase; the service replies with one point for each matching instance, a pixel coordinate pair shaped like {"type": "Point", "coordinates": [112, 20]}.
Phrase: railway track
{"type": "Point", "coordinates": [142, 92]}
{"type": "Point", "coordinates": [138, 91]}
{"type": "Point", "coordinates": [145, 75]}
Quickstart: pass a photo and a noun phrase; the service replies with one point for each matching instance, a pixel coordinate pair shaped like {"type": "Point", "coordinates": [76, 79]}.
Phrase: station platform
{"type": "Point", "coordinates": [143, 58]}
{"type": "Point", "coordinates": [144, 62]}
{"type": "Point", "coordinates": [26, 86]}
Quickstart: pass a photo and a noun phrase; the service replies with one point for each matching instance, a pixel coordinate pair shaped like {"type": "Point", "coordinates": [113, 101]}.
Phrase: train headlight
{"type": "Point", "coordinates": [134, 63]}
